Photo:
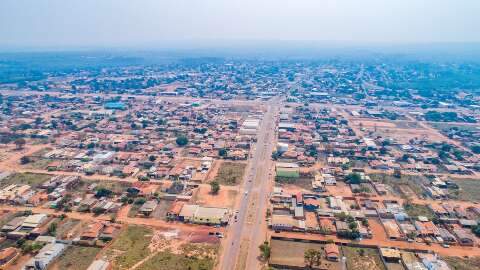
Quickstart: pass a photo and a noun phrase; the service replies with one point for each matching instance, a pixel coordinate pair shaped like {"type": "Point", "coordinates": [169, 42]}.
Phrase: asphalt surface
{"type": "Point", "coordinates": [255, 189]}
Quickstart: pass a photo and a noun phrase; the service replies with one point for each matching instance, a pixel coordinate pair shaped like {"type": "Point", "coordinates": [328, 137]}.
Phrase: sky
{"type": "Point", "coordinates": [150, 23]}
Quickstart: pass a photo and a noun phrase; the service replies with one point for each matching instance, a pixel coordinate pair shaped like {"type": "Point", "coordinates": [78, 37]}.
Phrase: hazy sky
{"type": "Point", "coordinates": [44, 23]}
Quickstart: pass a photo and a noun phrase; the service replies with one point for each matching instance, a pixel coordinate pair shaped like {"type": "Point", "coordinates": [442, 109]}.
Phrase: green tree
{"type": "Point", "coordinates": [265, 250]}
{"type": "Point", "coordinates": [214, 187]}
{"type": "Point", "coordinates": [223, 152]}
{"type": "Point", "coordinates": [181, 140]}
{"type": "Point", "coordinates": [353, 178]}
{"type": "Point", "coordinates": [312, 256]}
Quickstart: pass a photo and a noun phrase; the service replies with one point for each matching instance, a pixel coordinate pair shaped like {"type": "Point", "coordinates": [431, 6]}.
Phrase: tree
{"type": "Point", "coordinates": [52, 229]}
{"type": "Point", "coordinates": [103, 192]}
{"type": "Point", "coordinates": [265, 249]}
{"type": "Point", "coordinates": [181, 140]}
{"type": "Point", "coordinates": [214, 187]}
{"type": "Point", "coordinates": [354, 178]}
{"type": "Point", "coordinates": [20, 143]}
{"type": "Point", "coordinates": [312, 256]}
{"type": "Point", "coordinates": [223, 152]}
{"type": "Point", "coordinates": [24, 160]}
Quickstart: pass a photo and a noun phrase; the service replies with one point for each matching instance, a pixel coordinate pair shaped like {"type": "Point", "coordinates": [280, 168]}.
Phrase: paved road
{"type": "Point", "coordinates": [255, 191]}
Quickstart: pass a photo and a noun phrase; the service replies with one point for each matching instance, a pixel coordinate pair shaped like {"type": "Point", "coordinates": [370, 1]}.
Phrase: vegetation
{"type": "Point", "coordinates": [132, 244]}
{"type": "Point", "coordinates": [265, 250]}
{"type": "Point", "coordinates": [75, 258]}
{"type": "Point", "coordinates": [459, 263]}
{"type": "Point", "coordinates": [230, 173]}
{"type": "Point", "coordinates": [192, 257]}
{"type": "Point", "coordinates": [353, 178]}
{"type": "Point", "coordinates": [181, 140]}
{"type": "Point", "coordinates": [416, 210]}
{"type": "Point", "coordinates": [362, 258]}
{"type": "Point", "coordinates": [32, 179]}
{"type": "Point", "coordinates": [214, 187]}
{"type": "Point", "coordinates": [313, 256]}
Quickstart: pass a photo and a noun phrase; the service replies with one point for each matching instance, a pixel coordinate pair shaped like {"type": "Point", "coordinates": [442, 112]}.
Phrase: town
{"type": "Point", "coordinates": [240, 164]}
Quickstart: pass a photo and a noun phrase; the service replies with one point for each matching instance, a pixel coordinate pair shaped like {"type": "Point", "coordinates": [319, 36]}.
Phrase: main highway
{"type": "Point", "coordinates": [248, 230]}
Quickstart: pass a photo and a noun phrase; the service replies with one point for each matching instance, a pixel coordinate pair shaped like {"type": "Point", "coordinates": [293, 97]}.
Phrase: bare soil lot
{"type": "Point", "coordinates": [363, 258]}
{"type": "Point", "coordinates": [290, 253]}
{"type": "Point", "coordinates": [225, 197]}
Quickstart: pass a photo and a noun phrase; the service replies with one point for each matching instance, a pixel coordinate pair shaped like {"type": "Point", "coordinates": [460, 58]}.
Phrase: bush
{"type": "Point", "coordinates": [181, 140]}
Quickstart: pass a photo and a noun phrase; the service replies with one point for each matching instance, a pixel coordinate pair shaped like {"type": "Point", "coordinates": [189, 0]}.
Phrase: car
{"type": "Point", "coordinates": [246, 193]}
{"type": "Point", "coordinates": [445, 245]}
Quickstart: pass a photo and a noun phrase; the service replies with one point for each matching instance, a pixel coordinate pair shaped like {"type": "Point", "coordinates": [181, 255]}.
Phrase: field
{"type": "Point", "coordinates": [75, 258]}
{"type": "Point", "coordinates": [38, 164]}
{"type": "Point", "coordinates": [115, 186]}
{"type": "Point", "coordinates": [290, 253]}
{"type": "Point", "coordinates": [457, 263]}
{"type": "Point", "coordinates": [230, 173]}
{"type": "Point", "coordinates": [415, 210]}
{"type": "Point", "coordinates": [130, 247]}
{"type": "Point", "coordinates": [469, 189]}
{"type": "Point", "coordinates": [363, 258]}
{"type": "Point", "coordinates": [32, 179]}
{"type": "Point", "coordinates": [192, 257]}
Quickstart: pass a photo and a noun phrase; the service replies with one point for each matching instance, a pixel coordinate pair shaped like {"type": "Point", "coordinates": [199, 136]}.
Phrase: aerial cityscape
{"type": "Point", "coordinates": [258, 156]}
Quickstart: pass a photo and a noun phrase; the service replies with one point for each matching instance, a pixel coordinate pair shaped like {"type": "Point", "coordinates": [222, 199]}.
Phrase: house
{"type": "Point", "coordinates": [332, 252]}
{"type": "Point", "coordinates": [7, 254]}
{"type": "Point", "coordinates": [465, 238]}
{"type": "Point", "coordinates": [34, 221]}
{"type": "Point", "coordinates": [92, 232]}
{"type": "Point", "coordinates": [390, 255]}
{"type": "Point", "coordinates": [45, 256]}
{"type": "Point", "coordinates": [286, 223]}
{"type": "Point", "coordinates": [148, 207]}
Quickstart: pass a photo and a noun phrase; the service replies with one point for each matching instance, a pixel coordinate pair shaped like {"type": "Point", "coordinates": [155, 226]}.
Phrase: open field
{"type": "Point", "coordinates": [191, 257]}
{"type": "Point", "coordinates": [291, 253]}
{"type": "Point", "coordinates": [469, 189]}
{"type": "Point", "coordinates": [402, 131]}
{"type": "Point", "coordinates": [230, 173]}
{"type": "Point", "coordinates": [75, 258]}
{"type": "Point", "coordinates": [32, 179]}
{"type": "Point", "coordinates": [129, 247]}
{"type": "Point", "coordinates": [457, 263]}
{"type": "Point", "coordinates": [363, 258]}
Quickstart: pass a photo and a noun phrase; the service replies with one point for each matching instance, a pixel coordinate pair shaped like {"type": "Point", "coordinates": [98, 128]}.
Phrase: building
{"type": "Point", "coordinates": [7, 254]}
{"type": "Point", "coordinates": [204, 215]}
{"type": "Point", "coordinates": [45, 256]}
{"type": "Point", "coordinates": [148, 207]}
{"type": "Point", "coordinates": [332, 253]}
{"type": "Point", "coordinates": [99, 265]}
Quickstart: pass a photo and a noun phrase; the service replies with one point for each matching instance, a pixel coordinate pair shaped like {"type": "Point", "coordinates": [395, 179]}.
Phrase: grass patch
{"type": "Point", "coordinates": [457, 263]}
{"type": "Point", "coordinates": [38, 164]}
{"type": "Point", "coordinates": [415, 210]}
{"type": "Point", "coordinates": [193, 257]}
{"type": "Point", "coordinates": [116, 187]}
{"type": "Point", "coordinates": [469, 190]}
{"type": "Point", "coordinates": [230, 173]}
{"type": "Point", "coordinates": [75, 258]}
{"type": "Point", "coordinates": [363, 258]}
{"type": "Point", "coordinates": [32, 179]}
{"type": "Point", "coordinates": [130, 247]}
